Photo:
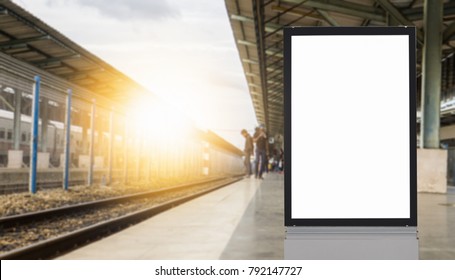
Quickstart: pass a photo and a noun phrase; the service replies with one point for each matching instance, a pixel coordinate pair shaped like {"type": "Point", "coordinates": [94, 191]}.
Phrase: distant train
{"type": "Point", "coordinates": [54, 138]}
{"type": "Point", "coordinates": [173, 157]}
{"type": "Point", "coordinates": [447, 105]}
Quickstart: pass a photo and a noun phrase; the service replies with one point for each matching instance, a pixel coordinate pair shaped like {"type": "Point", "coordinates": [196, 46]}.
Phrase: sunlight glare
{"type": "Point", "coordinates": [157, 121]}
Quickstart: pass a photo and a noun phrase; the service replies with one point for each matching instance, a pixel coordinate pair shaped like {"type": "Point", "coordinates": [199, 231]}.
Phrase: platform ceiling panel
{"type": "Point", "coordinates": [27, 38]}
{"type": "Point", "coordinates": [257, 26]}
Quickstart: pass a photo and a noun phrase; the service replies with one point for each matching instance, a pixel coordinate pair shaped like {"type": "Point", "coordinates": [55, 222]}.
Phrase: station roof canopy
{"type": "Point", "coordinates": [258, 31]}
{"type": "Point", "coordinates": [27, 38]}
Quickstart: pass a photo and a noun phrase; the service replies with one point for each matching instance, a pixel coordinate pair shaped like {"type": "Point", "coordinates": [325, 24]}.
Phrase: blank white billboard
{"type": "Point", "coordinates": [350, 127]}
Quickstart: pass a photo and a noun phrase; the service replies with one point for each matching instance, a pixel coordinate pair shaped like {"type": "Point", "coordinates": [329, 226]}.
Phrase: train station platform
{"type": "Point", "coordinates": [241, 221]}
{"type": "Point", "coordinates": [245, 221]}
{"type": "Point", "coordinates": [436, 225]}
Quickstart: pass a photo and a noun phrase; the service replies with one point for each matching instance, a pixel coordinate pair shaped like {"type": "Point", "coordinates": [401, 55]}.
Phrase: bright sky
{"type": "Point", "coordinates": [183, 51]}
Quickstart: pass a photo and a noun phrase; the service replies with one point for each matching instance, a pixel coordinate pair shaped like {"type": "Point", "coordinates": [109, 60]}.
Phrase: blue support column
{"type": "Point", "coordinates": [34, 134]}
{"type": "Point", "coordinates": [92, 146]}
{"type": "Point", "coordinates": [67, 141]}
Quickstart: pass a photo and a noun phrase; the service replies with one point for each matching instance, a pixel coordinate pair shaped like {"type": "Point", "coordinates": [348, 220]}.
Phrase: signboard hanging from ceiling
{"type": "Point", "coordinates": [350, 126]}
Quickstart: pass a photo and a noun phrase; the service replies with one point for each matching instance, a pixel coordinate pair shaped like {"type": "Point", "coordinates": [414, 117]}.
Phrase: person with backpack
{"type": "Point", "coordinates": [248, 151]}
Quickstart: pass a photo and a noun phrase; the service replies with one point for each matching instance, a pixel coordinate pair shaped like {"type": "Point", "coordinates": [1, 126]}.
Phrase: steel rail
{"type": "Point", "coordinates": [56, 246]}
{"type": "Point", "coordinates": [9, 221]}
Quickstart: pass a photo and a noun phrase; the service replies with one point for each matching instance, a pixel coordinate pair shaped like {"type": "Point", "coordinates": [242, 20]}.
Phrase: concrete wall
{"type": "Point", "coordinates": [84, 161]}
{"type": "Point", "coordinates": [98, 162]}
{"type": "Point", "coordinates": [15, 158]}
{"type": "Point", "coordinates": [432, 170]}
{"type": "Point", "coordinates": [43, 161]}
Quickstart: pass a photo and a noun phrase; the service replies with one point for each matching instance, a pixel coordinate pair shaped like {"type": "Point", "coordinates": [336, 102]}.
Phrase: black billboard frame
{"type": "Point", "coordinates": [373, 222]}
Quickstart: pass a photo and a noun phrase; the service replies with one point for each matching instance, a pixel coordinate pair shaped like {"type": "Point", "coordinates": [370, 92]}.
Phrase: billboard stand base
{"type": "Point", "coordinates": [351, 243]}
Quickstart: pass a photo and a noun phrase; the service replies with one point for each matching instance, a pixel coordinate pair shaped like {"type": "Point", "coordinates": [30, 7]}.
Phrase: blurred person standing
{"type": "Point", "coordinates": [248, 150]}
{"type": "Point", "coordinates": [260, 138]}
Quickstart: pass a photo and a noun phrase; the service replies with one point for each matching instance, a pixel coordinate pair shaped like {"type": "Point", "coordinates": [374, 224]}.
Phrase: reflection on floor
{"type": "Point", "coordinates": [436, 224]}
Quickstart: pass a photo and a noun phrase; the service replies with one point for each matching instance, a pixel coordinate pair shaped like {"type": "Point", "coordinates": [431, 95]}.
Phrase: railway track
{"type": "Point", "coordinates": [84, 234]}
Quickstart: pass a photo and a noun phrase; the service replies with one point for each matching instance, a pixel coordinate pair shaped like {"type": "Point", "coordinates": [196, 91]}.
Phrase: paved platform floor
{"type": "Point", "coordinates": [199, 229]}
{"type": "Point", "coordinates": [245, 221]}
{"type": "Point", "coordinates": [436, 225]}
{"type": "Point", "coordinates": [260, 233]}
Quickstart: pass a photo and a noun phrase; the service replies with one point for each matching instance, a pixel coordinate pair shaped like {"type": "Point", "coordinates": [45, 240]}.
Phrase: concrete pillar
{"type": "Point", "coordinates": [17, 119]}
{"type": "Point", "coordinates": [44, 124]}
{"type": "Point", "coordinates": [431, 74]}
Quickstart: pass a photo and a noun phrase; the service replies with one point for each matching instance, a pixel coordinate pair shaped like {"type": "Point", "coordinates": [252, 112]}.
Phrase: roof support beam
{"type": "Point", "coordinates": [275, 63]}
{"type": "Point", "coordinates": [260, 26]}
{"type": "Point", "coordinates": [273, 82]}
{"type": "Point", "coordinates": [417, 13]}
{"type": "Point", "coordinates": [277, 89]}
{"type": "Point", "coordinates": [395, 13]}
{"type": "Point", "coordinates": [448, 32]}
{"type": "Point", "coordinates": [275, 52]}
{"type": "Point", "coordinates": [286, 11]}
{"type": "Point", "coordinates": [345, 7]}
{"type": "Point", "coordinates": [15, 48]}
{"type": "Point", "coordinates": [11, 43]}
{"type": "Point", "coordinates": [250, 61]}
{"type": "Point", "coordinates": [272, 51]}
{"type": "Point", "coordinates": [280, 31]}
{"type": "Point", "coordinates": [277, 92]}
{"type": "Point", "coordinates": [246, 43]}
{"type": "Point", "coordinates": [54, 59]}
{"type": "Point", "coordinates": [79, 73]}
{"type": "Point", "coordinates": [275, 110]}
{"type": "Point", "coordinates": [279, 120]}
{"type": "Point", "coordinates": [269, 27]}
{"type": "Point", "coordinates": [297, 13]}
{"type": "Point", "coordinates": [276, 101]}
{"type": "Point", "coordinates": [277, 96]}
{"type": "Point", "coordinates": [279, 76]}
{"type": "Point", "coordinates": [272, 70]}
{"type": "Point", "coordinates": [327, 17]}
